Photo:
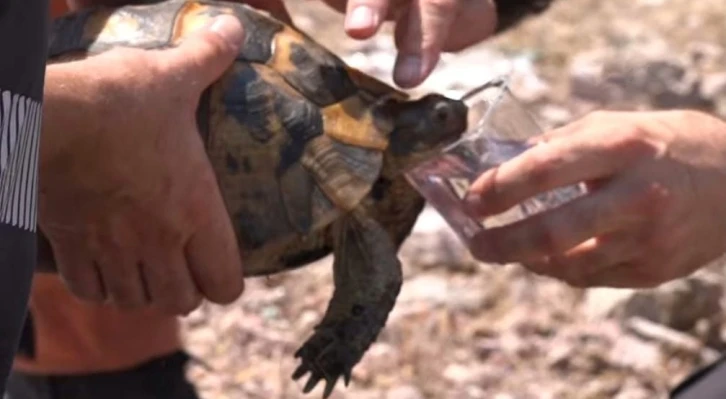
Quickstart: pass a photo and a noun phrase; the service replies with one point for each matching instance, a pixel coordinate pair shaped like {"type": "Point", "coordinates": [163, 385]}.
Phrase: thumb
{"type": "Point", "coordinates": [203, 55]}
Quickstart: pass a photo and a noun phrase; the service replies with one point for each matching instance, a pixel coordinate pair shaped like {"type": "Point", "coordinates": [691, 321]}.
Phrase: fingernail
{"type": "Point", "coordinates": [362, 17]}
{"type": "Point", "coordinates": [228, 28]}
{"type": "Point", "coordinates": [409, 70]}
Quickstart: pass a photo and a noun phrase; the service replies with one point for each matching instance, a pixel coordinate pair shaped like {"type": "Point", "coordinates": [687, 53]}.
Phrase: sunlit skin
{"type": "Point", "coordinates": [655, 211]}
{"type": "Point", "coordinates": [134, 221]}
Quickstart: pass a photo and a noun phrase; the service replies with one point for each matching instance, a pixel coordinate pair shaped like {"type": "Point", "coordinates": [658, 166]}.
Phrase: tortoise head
{"type": "Point", "coordinates": [425, 125]}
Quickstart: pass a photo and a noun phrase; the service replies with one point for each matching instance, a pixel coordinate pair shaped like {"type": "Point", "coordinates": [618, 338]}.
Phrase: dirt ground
{"type": "Point", "coordinates": [467, 330]}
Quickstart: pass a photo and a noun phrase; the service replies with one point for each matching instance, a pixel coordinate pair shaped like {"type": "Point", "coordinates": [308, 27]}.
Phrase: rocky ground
{"type": "Point", "coordinates": [467, 330]}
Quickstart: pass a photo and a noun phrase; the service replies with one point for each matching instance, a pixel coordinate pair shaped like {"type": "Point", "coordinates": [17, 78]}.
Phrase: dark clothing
{"type": "Point", "coordinates": [23, 41]}
{"type": "Point", "coordinates": [707, 383]}
{"type": "Point", "coordinates": [511, 12]}
{"type": "Point", "coordinates": [161, 378]}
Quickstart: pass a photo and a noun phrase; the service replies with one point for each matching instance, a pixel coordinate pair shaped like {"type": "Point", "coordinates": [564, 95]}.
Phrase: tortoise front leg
{"type": "Point", "coordinates": [368, 277]}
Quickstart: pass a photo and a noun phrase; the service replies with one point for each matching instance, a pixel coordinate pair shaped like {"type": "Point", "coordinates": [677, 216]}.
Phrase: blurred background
{"type": "Point", "coordinates": [462, 329]}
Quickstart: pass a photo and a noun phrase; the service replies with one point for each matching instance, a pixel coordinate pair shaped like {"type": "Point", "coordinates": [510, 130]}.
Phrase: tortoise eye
{"type": "Point", "coordinates": [441, 113]}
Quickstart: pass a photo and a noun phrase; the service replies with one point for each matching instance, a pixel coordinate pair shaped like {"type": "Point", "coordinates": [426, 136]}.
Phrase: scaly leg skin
{"type": "Point", "coordinates": [368, 277]}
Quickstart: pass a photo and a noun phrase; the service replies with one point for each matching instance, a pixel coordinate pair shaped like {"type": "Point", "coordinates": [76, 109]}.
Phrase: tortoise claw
{"type": "Point", "coordinates": [346, 377]}
{"type": "Point", "coordinates": [326, 357]}
{"type": "Point", "coordinates": [312, 382]}
{"type": "Point", "coordinates": [329, 386]}
{"type": "Point", "coordinates": [299, 372]}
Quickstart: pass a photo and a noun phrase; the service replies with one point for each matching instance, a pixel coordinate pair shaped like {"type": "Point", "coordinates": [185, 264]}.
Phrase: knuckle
{"type": "Point", "coordinates": [632, 143]}
{"type": "Point", "coordinates": [652, 197]}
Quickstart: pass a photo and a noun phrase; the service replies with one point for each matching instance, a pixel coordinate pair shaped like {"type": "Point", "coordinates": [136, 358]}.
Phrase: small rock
{"type": "Point", "coordinates": [601, 303]}
{"type": "Point", "coordinates": [467, 299]}
{"type": "Point", "coordinates": [635, 354]}
{"type": "Point", "coordinates": [307, 320]}
{"type": "Point", "coordinates": [426, 287]}
{"type": "Point", "coordinates": [600, 388]}
{"type": "Point", "coordinates": [379, 361]}
{"type": "Point", "coordinates": [367, 394]}
{"type": "Point", "coordinates": [633, 390]}
{"type": "Point", "coordinates": [527, 86]}
{"type": "Point", "coordinates": [559, 353]}
{"type": "Point", "coordinates": [404, 392]}
{"type": "Point", "coordinates": [460, 374]}
{"type": "Point", "coordinates": [434, 244]}
{"type": "Point", "coordinates": [587, 78]}
{"type": "Point", "coordinates": [679, 304]}
{"type": "Point", "coordinates": [704, 51]}
{"type": "Point", "coordinates": [714, 85]}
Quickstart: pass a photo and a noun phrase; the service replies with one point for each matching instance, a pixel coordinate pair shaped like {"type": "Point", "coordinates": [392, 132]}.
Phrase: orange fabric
{"type": "Point", "coordinates": [73, 336]}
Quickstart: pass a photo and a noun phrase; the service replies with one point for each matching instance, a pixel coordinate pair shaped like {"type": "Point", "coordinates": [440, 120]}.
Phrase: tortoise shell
{"type": "Point", "coordinates": [308, 153]}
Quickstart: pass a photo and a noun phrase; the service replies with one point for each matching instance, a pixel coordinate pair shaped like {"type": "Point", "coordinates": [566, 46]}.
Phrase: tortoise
{"type": "Point", "coordinates": [309, 154]}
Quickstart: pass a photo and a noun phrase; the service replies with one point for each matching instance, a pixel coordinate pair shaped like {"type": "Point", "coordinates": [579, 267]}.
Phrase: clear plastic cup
{"type": "Point", "coordinates": [499, 127]}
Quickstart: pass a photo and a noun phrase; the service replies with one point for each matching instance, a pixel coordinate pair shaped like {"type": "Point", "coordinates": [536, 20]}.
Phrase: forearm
{"type": "Point", "coordinates": [511, 12]}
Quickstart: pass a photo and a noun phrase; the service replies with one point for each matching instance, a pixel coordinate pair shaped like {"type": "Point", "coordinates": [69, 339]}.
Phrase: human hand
{"type": "Point", "coordinates": [423, 29]}
{"type": "Point", "coordinates": [655, 208]}
{"type": "Point", "coordinates": [128, 198]}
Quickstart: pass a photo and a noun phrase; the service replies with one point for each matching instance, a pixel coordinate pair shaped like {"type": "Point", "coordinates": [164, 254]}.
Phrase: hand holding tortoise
{"type": "Point", "coordinates": [128, 198]}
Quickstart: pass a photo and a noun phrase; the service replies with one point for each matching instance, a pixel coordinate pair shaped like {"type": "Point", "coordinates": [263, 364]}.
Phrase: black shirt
{"type": "Point", "coordinates": [23, 41]}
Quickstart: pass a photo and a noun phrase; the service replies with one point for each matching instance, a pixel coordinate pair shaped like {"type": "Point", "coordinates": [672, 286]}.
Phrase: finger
{"type": "Point", "coordinates": [170, 284]}
{"type": "Point", "coordinates": [205, 54]}
{"type": "Point", "coordinates": [213, 255]}
{"type": "Point", "coordinates": [122, 278]}
{"type": "Point", "coordinates": [420, 36]}
{"type": "Point", "coordinates": [363, 18]}
{"type": "Point", "coordinates": [77, 270]}
{"type": "Point", "coordinates": [557, 133]}
{"type": "Point", "coordinates": [580, 265]}
{"type": "Point", "coordinates": [616, 206]}
{"type": "Point", "coordinates": [558, 163]}
{"type": "Point", "coordinates": [80, 274]}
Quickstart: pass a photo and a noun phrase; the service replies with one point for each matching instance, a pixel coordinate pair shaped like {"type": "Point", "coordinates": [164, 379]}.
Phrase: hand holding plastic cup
{"type": "Point", "coordinates": [499, 130]}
